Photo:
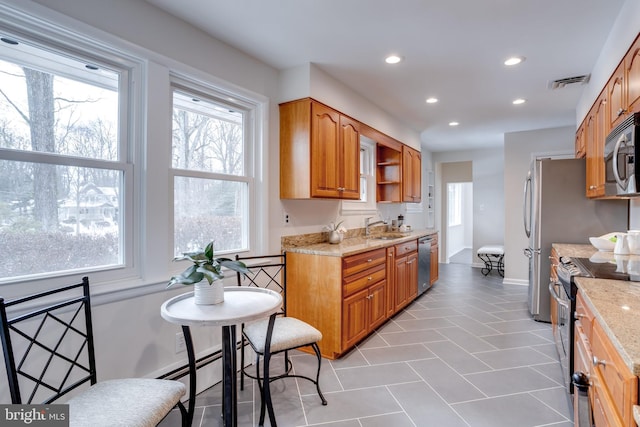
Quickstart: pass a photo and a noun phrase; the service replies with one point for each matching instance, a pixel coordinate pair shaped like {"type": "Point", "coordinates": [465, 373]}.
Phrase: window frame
{"type": "Point", "coordinates": [253, 124]}
{"type": "Point", "coordinates": [49, 36]}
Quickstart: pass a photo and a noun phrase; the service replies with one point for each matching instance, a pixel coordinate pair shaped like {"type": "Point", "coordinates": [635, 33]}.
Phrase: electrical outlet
{"type": "Point", "coordinates": [180, 344]}
{"type": "Point", "coordinates": [286, 219]}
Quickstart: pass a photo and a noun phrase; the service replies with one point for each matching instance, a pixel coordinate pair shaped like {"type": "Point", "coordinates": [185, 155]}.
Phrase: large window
{"type": "Point", "coordinates": [211, 177]}
{"type": "Point", "coordinates": [63, 160]}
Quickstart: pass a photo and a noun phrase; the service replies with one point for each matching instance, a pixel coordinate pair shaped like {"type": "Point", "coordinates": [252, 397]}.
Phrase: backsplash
{"type": "Point", "coordinates": [313, 238]}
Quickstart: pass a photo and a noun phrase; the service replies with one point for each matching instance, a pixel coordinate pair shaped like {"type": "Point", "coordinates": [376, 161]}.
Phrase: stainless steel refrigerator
{"type": "Point", "coordinates": [556, 210]}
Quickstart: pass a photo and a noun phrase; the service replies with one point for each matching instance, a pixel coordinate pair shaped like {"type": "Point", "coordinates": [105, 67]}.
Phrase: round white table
{"type": "Point", "coordinates": [241, 305]}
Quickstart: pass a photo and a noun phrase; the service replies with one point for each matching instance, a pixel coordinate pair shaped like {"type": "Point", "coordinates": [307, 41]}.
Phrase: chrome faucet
{"type": "Point", "coordinates": [367, 225]}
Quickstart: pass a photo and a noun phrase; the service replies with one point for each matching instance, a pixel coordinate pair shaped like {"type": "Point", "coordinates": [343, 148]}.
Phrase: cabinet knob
{"type": "Point", "coordinates": [370, 278]}
{"type": "Point", "coordinates": [369, 260]}
{"type": "Point", "coordinates": [592, 187]}
{"type": "Point", "coordinates": [340, 188]}
{"type": "Point", "coordinates": [577, 316]}
{"type": "Point", "coordinates": [597, 362]}
{"type": "Point", "coordinates": [621, 112]}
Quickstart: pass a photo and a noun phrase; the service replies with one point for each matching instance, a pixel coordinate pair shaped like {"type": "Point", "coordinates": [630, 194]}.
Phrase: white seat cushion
{"type": "Point", "coordinates": [491, 250]}
{"type": "Point", "coordinates": [131, 402]}
{"type": "Point", "coordinates": [288, 332]}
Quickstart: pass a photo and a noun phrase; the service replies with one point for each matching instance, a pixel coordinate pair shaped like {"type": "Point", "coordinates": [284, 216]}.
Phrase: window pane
{"type": "Point", "coordinates": [207, 136]}
{"type": "Point", "coordinates": [208, 209]}
{"type": "Point", "coordinates": [55, 104]}
{"type": "Point", "coordinates": [76, 227]}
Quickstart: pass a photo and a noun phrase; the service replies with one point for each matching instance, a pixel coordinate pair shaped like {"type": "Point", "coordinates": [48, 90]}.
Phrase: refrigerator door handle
{"type": "Point", "coordinates": [527, 198]}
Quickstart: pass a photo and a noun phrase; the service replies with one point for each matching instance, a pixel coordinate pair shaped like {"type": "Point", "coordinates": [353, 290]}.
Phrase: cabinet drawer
{"type": "Point", "coordinates": [364, 279]}
{"type": "Point", "coordinates": [618, 384]}
{"type": "Point", "coordinates": [406, 247]}
{"type": "Point", "coordinates": [584, 315]}
{"type": "Point", "coordinates": [357, 263]}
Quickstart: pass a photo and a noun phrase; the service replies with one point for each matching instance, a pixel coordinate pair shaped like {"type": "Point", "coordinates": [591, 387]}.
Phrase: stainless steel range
{"type": "Point", "coordinates": [564, 293]}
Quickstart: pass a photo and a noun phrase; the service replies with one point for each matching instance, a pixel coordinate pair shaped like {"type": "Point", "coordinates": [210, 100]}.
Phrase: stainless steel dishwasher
{"type": "Point", "coordinates": [424, 264]}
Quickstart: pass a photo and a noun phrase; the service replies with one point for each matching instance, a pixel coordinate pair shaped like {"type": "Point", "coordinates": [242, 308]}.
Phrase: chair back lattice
{"type": "Point", "coordinates": [268, 271]}
{"type": "Point", "coordinates": [49, 350]}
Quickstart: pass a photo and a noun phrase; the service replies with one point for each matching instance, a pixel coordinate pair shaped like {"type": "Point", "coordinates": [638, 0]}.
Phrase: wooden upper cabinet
{"type": "Point", "coordinates": [632, 67]}
{"type": "Point", "coordinates": [319, 152]}
{"type": "Point", "coordinates": [617, 99]}
{"type": "Point", "coordinates": [595, 125]}
{"type": "Point", "coordinates": [580, 145]}
{"type": "Point", "coordinates": [411, 175]}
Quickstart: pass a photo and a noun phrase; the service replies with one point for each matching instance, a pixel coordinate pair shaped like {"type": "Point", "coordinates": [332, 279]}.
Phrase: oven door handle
{"type": "Point", "coordinates": [556, 296]}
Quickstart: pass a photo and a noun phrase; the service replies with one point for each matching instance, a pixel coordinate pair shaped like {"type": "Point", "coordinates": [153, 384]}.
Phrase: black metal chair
{"type": "Point", "coordinates": [49, 352]}
{"type": "Point", "coordinates": [278, 334]}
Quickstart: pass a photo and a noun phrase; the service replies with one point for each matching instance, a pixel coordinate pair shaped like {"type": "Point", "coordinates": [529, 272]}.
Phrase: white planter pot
{"type": "Point", "coordinates": [335, 237]}
{"type": "Point", "coordinates": [205, 294]}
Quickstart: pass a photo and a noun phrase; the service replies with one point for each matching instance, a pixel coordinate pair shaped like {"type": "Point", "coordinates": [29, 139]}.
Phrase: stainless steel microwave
{"type": "Point", "coordinates": [622, 159]}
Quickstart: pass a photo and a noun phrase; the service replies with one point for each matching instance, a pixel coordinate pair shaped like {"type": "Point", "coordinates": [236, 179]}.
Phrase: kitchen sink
{"type": "Point", "coordinates": [388, 236]}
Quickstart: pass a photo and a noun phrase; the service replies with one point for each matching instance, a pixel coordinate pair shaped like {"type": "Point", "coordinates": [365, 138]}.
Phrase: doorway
{"type": "Point", "coordinates": [459, 222]}
{"type": "Point", "coordinates": [460, 173]}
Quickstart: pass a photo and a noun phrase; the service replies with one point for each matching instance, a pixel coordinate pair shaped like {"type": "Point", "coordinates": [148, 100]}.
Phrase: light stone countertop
{"type": "Point", "coordinates": [616, 305]}
{"type": "Point", "coordinates": [355, 245]}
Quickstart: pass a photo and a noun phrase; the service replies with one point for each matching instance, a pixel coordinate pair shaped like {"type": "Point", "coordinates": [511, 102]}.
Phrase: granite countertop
{"type": "Point", "coordinates": [616, 305]}
{"type": "Point", "coordinates": [355, 245]}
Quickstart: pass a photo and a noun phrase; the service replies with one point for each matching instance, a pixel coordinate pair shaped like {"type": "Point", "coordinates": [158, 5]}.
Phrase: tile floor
{"type": "Point", "coordinates": [466, 353]}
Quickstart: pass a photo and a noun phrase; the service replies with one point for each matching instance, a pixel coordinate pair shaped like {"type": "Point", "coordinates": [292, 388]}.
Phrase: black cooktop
{"type": "Point", "coordinates": [603, 270]}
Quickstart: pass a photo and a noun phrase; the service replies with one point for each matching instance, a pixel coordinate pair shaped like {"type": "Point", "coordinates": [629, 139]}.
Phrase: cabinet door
{"type": "Point", "coordinates": [434, 262]}
{"type": "Point", "coordinates": [594, 157]}
{"type": "Point", "coordinates": [412, 277]}
{"type": "Point", "coordinates": [356, 318]}
{"type": "Point", "coordinates": [391, 281]}
{"type": "Point", "coordinates": [617, 98]}
{"type": "Point", "coordinates": [325, 151]}
{"type": "Point", "coordinates": [632, 65]}
{"type": "Point", "coordinates": [411, 175]}
{"type": "Point", "coordinates": [401, 282]}
{"type": "Point", "coordinates": [580, 147]}
{"type": "Point", "coordinates": [377, 304]}
{"type": "Point", "coordinates": [348, 161]}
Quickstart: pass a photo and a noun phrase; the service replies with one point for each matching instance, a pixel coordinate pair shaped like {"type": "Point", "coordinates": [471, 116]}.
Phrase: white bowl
{"type": "Point", "coordinates": [603, 243]}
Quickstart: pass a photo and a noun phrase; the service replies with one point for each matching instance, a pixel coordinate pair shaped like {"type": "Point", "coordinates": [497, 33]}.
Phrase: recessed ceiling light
{"type": "Point", "coordinates": [514, 60]}
{"type": "Point", "coordinates": [519, 101]}
{"type": "Point", "coordinates": [432, 100]}
{"type": "Point", "coordinates": [453, 123]}
{"type": "Point", "coordinates": [393, 59]}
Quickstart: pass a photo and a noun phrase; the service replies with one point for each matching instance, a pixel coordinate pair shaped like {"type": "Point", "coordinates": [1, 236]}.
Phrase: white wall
{"type": "Point", "coordinates": [309, 216]}
{"type": "Point", "coordinates": [622, 34]}
{"type": "Point", "coordinates": [131, 337]}
{"type": "Point", "coordinates": [519, 147]}
{"type": "Point", "coordinates": [488, 195]}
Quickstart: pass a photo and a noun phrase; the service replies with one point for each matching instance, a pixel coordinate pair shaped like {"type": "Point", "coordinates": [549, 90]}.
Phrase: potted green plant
{"type": "Point", "coordinates": [205, 266]}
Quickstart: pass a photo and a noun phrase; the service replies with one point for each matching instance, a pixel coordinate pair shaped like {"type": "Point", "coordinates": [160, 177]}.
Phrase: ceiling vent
{"type": "Point", "coordinates": [560, 83]}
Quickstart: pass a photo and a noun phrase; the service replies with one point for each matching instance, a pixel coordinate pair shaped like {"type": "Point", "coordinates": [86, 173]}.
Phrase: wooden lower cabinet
{"type": "Point", "coordinates": [613, 388]}
{"type": "Point", "coordinates": [346, 298]}
{"type": "Point", "coordinates": [406, 274]}
{"type": "Point", "coordinates": [434, 259]}
{"type": "Point", "coordinates": [363, 312]}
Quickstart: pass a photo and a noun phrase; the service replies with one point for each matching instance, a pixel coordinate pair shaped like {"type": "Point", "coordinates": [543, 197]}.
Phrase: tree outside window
{"type": "Point", "coordinates": [211, 184]}
{"type": "Point", "coordinates": [61, 175]}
